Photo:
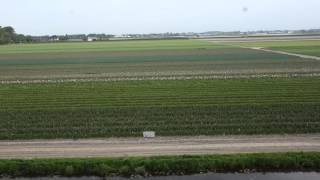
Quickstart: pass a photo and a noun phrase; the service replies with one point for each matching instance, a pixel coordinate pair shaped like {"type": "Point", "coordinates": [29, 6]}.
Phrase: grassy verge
{"type": "Point", "coordinates": [162, 165]}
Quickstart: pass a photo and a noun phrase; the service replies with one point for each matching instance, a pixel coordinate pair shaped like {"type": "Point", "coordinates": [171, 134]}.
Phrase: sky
{"type": "Point", "coordinates": [49, 17]}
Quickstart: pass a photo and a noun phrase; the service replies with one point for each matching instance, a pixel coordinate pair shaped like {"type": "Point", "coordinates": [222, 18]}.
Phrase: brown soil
{"type": "Point", "coordinates": [118, 147]}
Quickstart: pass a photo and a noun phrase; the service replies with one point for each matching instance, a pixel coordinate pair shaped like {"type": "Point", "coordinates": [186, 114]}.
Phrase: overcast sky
{"type": "Point", "coordinates": [47, 17]}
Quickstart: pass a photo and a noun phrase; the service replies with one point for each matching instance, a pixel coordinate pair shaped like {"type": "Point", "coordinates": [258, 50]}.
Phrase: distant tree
{"type": "Point", "coordinates": [28, 39]}
{"type": "Point", "coordinates": [7, 35]}
{"type": "Point", "coordinates": [20, 38]}
{"type": "Point", "coordinates": [4, 36]}
{"type": "Point", "coordinates": [63, 38]}
{"type": "Point", "coordinates": [9, 29]}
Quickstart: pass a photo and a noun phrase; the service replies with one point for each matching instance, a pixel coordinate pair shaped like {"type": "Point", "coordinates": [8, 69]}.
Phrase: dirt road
{"type": "Point", "coordinates": [285, 53]}
{"type": "Point", "coordinates": [269, 50]}
{"type": "Point", "coordinates": [159, 146]}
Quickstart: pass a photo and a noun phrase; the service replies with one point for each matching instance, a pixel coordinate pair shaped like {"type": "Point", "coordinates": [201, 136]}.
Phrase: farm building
{"type": "Point", "coordinates": [90, 39]}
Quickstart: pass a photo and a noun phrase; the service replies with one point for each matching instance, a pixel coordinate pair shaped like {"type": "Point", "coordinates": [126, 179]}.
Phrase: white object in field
{"type": "Point", "coordinates": [90, 39]}
{"type": "Point", "coordinates": [149, 134]}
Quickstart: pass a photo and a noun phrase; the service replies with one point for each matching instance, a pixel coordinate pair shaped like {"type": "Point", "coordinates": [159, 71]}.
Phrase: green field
{"type": "Point", "coordinates": [142, 59]}
{"type": "Point", "coordinates": [306, 47]}
{"type": "Point", "coordinates": [106, 46]}
{"type": "Point", "coordinates": [185, 107]}
{"type": "Point", "coordinates": [124, 88]}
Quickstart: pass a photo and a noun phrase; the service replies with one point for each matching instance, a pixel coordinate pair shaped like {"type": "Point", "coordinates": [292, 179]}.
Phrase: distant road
{"type": "Point", "coordinates": [285, 53]}
{"type": "Point", "coordinates": [118, 147]}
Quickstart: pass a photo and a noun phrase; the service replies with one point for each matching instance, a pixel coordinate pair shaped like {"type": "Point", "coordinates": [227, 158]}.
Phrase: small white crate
{"type": "Point", "coordinates": [149, 134]}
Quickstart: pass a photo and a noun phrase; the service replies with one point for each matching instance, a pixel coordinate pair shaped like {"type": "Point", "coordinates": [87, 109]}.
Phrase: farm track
{"type": "Point", "coordinates": [285, 53]}
{"type": "Point", "coordinates": [119, 147]}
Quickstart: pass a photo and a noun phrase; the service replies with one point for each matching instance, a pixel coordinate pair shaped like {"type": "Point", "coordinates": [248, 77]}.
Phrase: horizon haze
{"type": "Point", "coordinates": [36, 17]}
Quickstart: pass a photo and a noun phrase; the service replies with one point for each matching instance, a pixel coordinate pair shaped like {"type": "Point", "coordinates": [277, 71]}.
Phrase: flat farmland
{"type": "Point", "coordinates": [174, 87]}
{"type": "Point", "coordinates": [169, 107]}
{"type": "Point", "coordinates": [142, 60]}
{"type": "Point", "coordinates": [138, 45]}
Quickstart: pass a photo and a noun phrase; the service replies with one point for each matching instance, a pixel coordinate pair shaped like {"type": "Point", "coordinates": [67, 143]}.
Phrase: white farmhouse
{"type": "Point", "coordinates": [90, 39]}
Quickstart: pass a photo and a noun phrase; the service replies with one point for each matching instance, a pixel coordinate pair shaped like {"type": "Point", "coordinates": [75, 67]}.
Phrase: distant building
{"type": "Point", "coordinates": [75, 40]}
{"type": "Point", "coordinates": [76, 37]}
{"type": "Point", "coordinates": [90, 39]}
{"type": "Point", "coordinates": [54, 38]}
{"type": "Point", "coordinates": [40, 38]}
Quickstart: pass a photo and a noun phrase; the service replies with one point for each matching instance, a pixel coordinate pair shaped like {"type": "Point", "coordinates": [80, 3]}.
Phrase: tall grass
{"type": "Point", "coordinates": [163, 165]}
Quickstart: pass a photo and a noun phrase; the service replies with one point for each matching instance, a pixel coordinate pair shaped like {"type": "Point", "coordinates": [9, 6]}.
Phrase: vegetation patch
{"type": "Point", "coordinates": [142, 59]}
{"type": "Point", "coordinates": [177, 107]}
{"type": "Point", "coordinates": [162, 165]}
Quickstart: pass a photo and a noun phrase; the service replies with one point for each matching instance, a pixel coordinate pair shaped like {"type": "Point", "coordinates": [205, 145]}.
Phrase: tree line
{"type": "Point", "coordinates": [8, 35]}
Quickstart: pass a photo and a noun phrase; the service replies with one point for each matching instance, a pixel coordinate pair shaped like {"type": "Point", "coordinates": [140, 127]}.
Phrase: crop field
{"type": "Point", "coordinates": [305, 47]}
{"type": "Point", "coordinates": [142, 60]}
{"type": "Point", "coordinates": [106, 46]}
{"type": "Point", "coordinates": [180, 107]}
{"type": "Point", "coordinates": [174, 87]}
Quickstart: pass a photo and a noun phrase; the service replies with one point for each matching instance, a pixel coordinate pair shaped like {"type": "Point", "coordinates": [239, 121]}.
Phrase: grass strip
{"type": "Point", "coordinates": [162, 165]}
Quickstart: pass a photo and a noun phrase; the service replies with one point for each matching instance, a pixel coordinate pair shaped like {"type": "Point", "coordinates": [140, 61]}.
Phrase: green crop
{"type": "Point", "coordinates": [184, 107]}
{"type": "Point", "coordinates": [107, 46]}
{"type": "Point", "coordinates": [161, 166]}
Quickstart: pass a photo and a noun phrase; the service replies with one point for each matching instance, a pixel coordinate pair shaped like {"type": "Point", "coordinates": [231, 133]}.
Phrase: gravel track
{"type": "Point", "coordinates": [119, 147]}
{"type": "Point", "coordinates": [285, 53]}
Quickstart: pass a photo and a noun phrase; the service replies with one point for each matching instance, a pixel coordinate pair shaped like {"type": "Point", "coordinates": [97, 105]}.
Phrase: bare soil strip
{"type": "Point", "coordinates": [144, 78]}
{"type": "Point", "coordinates": [122, 147]}
{"type": "Point", "coordinates": [285, 53]}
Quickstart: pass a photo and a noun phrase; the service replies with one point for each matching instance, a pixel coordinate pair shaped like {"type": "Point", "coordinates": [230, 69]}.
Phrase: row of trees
{"type": "Point", "coordinates": [8, 35]}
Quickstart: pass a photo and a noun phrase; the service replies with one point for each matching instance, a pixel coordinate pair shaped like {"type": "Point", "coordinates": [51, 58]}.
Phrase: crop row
{"type": "Point", "coordinates": [226, 56]}
{"type": "Point", "coordinates": [160, 93]}
{"type": "Point", "coordinates": [108, 46]}
{"type": "Point", "coordinates": [185, 107]}
{"type": "Point", "coordinates": [166, 121]}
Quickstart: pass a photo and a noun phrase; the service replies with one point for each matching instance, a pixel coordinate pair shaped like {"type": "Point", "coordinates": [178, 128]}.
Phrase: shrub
{"type": "Point", "coordinates": [104, 170]}
{"type": "Point", "coordinates": [69, 171]}
{"type": "Point", "coordinates": [141, 170]}
{"type": "Point", "coordinates": [164, 165]}
{"type": "Point", "coordinates": [125, 171]}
